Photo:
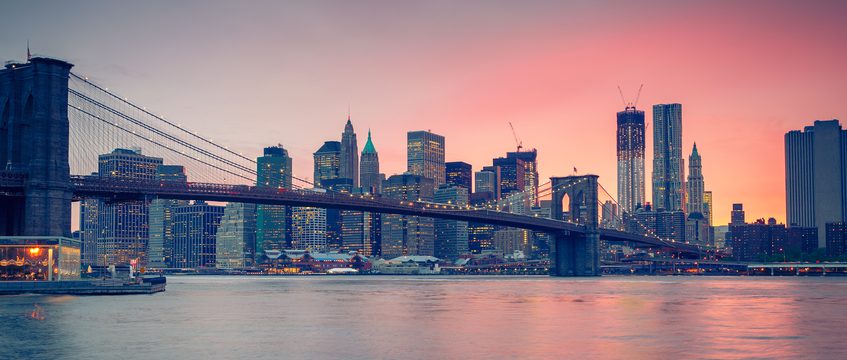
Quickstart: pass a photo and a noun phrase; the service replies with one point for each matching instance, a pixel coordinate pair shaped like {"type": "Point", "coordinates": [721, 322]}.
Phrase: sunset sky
{"type": "Point", "coordinates": [253, 74]}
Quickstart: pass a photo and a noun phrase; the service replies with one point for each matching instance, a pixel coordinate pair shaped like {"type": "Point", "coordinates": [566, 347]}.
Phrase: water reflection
{"type": "Point", "coordinates": [442, 317]}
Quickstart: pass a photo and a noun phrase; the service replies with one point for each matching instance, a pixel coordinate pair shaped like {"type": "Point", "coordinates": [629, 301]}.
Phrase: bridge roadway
{"type": "Point", "coordinates": [116, 190]}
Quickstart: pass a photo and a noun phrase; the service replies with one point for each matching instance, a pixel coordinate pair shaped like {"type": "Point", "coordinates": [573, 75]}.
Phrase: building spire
{"type": "Point", "coordinates": [369, 145]}
{"type": "Point", "coordinates": [28, 54]}
{"type": "Point", "coordinates": [348, 113]}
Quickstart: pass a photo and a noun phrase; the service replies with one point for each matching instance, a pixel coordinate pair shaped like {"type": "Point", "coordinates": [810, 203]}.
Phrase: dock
{"type": "Point", "coordinates": [84, 287]}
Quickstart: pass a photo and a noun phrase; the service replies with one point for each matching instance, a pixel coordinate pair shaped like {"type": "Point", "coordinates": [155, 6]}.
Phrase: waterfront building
{"type": "Point", "coordinates": [349, 167]}
{"type": "Point", "coordinates": [161, 238]}
{"type": "Point", "coordinates": [235, 243]}
{"type": "Point", "coordinates": [667, 225]}
{"type": "Point", "coordinates": [370, 177]}
{"type": "Point", "coordinates": [668, 164]}
{"type": "Point", "coordinates": [119, 230]}
{"type": "Point", "coordinates": [327, 162]}
{"type": "Point", "coordinates": [361, 232]}
{"type": "Point", "coordinates": [509, 240]}
{"type": "Point", "coordinates": [460, 174]}
{"type": "Point", "coordinates": [488, 181]}
{"type": "Point", "coordinates": [334, 217]}
{"type": "Point", "coordinates": [451, 236]}
{"type": "Point", "coordinates": [802, 239]}
{"type": "Point", "coordinates": [836, 239]}
{"type": "Point", "coordinates": [530, 162]}
{"type": "Point", "coordinates": [630, 151]}
{"type": "Point", "coordinates": [407, 235]}
{"type": "Point", "coordinates": [309, 226]}
{"type": "Point", "coordinates": [273, 170]}
{"type": "Point", "coordinates": [195, 227]}
{"type": "Point", "coordinates": [425, 155]}
{"type": "Point", "coordinates": [721, 236]}
{"type": "Point", "coordinates": [816, 176]}
{"type": "Point", "coordinates": [756, 241]}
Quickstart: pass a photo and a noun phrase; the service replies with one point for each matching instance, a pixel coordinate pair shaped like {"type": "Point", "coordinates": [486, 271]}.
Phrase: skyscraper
{"type": "Point", "coordinates": [370, 177]}
{"type": "Point", "coordinates": [816, 176]}
{"type": "Point", "coordinates": [630, 159]}
{"type": "Point", "coordinates": [407, 235]}
{"type": "Point", "coordinates": [737, 215]}
{"type": "Point", "coordinates": [120, 232]}
{"type": "Point", "coordinates": [425, 155]}
{"type": "Point", "coordinates": [160, 219]}
{"type": "Point", "coordinates": [488, 180]}
{"type": "Point", "coordinates": [349, 154]}
{"type": "Point", "coordinates": [512, 178]}
{"type": "Point", "coordinates": [459, 173]}
{"type": "Point", "coordinates": [327, 162]}
{"type": "Point", "coordinates": [195, 228]}
{"type": "Point", "coordinates": [273, 170]}
{"type": "Point", "coordinates": [695, 183]}
{"type": "Point", "coordinates": [708, 207]}
{"type": "Point", "coordinates": [236, 237]}
{"type": "Point", "coordinates": [668, 164]}
{"type": "Point", "coordinates": [530, 161]}
{"type": "Point", "coordinates": [451, 236]}
{"type": "Point", "coordinates": [309, 228]}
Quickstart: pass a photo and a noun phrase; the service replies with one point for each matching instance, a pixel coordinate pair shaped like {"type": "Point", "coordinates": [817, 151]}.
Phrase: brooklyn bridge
{"type": "Point", "coordinates": [53, 122]}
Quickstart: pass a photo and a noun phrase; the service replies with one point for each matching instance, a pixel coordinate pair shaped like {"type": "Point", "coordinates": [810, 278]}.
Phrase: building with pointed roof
{"type": "Point", "coordinates": [349, 154]}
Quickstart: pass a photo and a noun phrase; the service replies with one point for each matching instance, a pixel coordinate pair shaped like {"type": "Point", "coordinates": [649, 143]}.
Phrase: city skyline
{"type": "Point", "coordinates": [726, 82]}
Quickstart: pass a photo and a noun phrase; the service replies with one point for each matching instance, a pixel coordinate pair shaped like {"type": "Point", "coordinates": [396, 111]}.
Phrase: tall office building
{"type": "Point", "coordinates": [816, 176]}
{"type": "Point", "coordinates": [480, 235]}
{"type": "Point", "coordinates": [668, 164]}
{"type": "Point", "coordinates": [630, 159]}
{"type": "Point", "coordinates": [195, 229]}
{"type": "Point", "coordinates": [459, 173]}
{"type": "Point", "coordinates": [708, 207]}
{"type": "Point", "coordinates": [235, 243]}
{"type": "Point", "coordinates": [370, 177]}
{"type": "Point", "coordinates": [697, 224]}
{"type": "Point", "coordinates": [407, 235]}
{"type": "Point", "coordinates": [327, 163]}
{"type": "Point", "coordinates": [512, 177]}
{"type": "Point", "coordinates": [451, 236]}
{"type": "Point", "coordinates": [361, 232]}
{"type": "Point", "coordinates": [273, 170]}
{"type": "Point", "coordinates": [309, 228]}
{"type": "Point", "coordinates": [160, 219]}
{"type": "Point", "coordinates": [530, 161]}
{"type": "Point", "coordinates": [349, 154]}
{"type": "Point", "coordinates": [120, 230]}
{"type": "Point", "coordinates": [488, 180]}
{"type": "Point", "coordinates": [425, 155]}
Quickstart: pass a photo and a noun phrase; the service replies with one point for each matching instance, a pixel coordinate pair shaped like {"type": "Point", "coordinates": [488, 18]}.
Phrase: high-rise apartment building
{"type": "Point", "coordinates": [630, 150]}
{"type": "Point", "coordinates": [668, 164]}
{"type": "Point", "coordinates": [273, 170]}
{"type": "Point", "coordinates": [816, 176]}
{"type": "Point", "coordinates": [425, 155]}
{"type": "Point", "coordinates": [349, 168]}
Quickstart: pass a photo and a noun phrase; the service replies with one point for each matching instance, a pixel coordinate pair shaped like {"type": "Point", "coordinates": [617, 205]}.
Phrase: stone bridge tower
{"type": "Point", "coordinates": [34, 141]}
{"type": "Point", "coordinates": [575, 254]}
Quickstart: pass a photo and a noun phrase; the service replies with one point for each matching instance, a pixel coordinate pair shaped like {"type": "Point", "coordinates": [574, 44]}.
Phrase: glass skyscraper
{"type": "Point", "coordinates": [816, 176]}
{"type": "Point", "coordinates": [451, 236]}
{"type": "Point", "coordinates": [407, 235]}
{"type": "Point", "coordinates": [273, 171]}
{"type": "Point", "coordinates": [195, 228]}
{"type": "Point", "coordinates": [459, 173]}
{"type": "Point", "coordinates": [630, 146]}
{"type": "Point", "coordinates": [668, 164]}
{"type": "Point", "coordinates": [236, 237]}
{"type": "Point", "coordinates": [425, 155]}
{"type": "Point", "coordinates": [327, 163]}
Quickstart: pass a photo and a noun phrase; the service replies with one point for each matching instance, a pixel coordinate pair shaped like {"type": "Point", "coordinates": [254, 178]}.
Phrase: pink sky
{"type": "Point", "coordinates": [267, 73]}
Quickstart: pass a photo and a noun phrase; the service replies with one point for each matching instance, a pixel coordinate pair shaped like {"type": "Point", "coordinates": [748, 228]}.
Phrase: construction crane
{"type": "Point", "coordinates": [515, 135]}
{"type": "Point", "coordinates": [631, 104]}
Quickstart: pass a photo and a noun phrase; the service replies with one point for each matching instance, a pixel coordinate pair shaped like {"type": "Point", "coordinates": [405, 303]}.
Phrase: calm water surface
{"type": "Point", "coordinates": [360, 317]}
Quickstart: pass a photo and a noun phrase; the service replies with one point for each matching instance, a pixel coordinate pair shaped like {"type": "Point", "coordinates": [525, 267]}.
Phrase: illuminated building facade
{"type": "Point", "coordinates": [407, 235]}
{"type": "Point", "coordinates": [195, 228]}
{"type": "Point", "coordinates": [451, 236]}
{"type": "Point", "coordinates": [425, 156]}
{"type": "Point", "coordinates": [273, 170]}
{"type": "Point", "coordinates": [668, 164]}
{"type": "Point", "coordinates": [630, 150]}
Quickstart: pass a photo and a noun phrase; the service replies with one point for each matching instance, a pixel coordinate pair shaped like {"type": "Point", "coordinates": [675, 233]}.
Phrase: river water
{"type": "Point", "coordinates": [450, 317]}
